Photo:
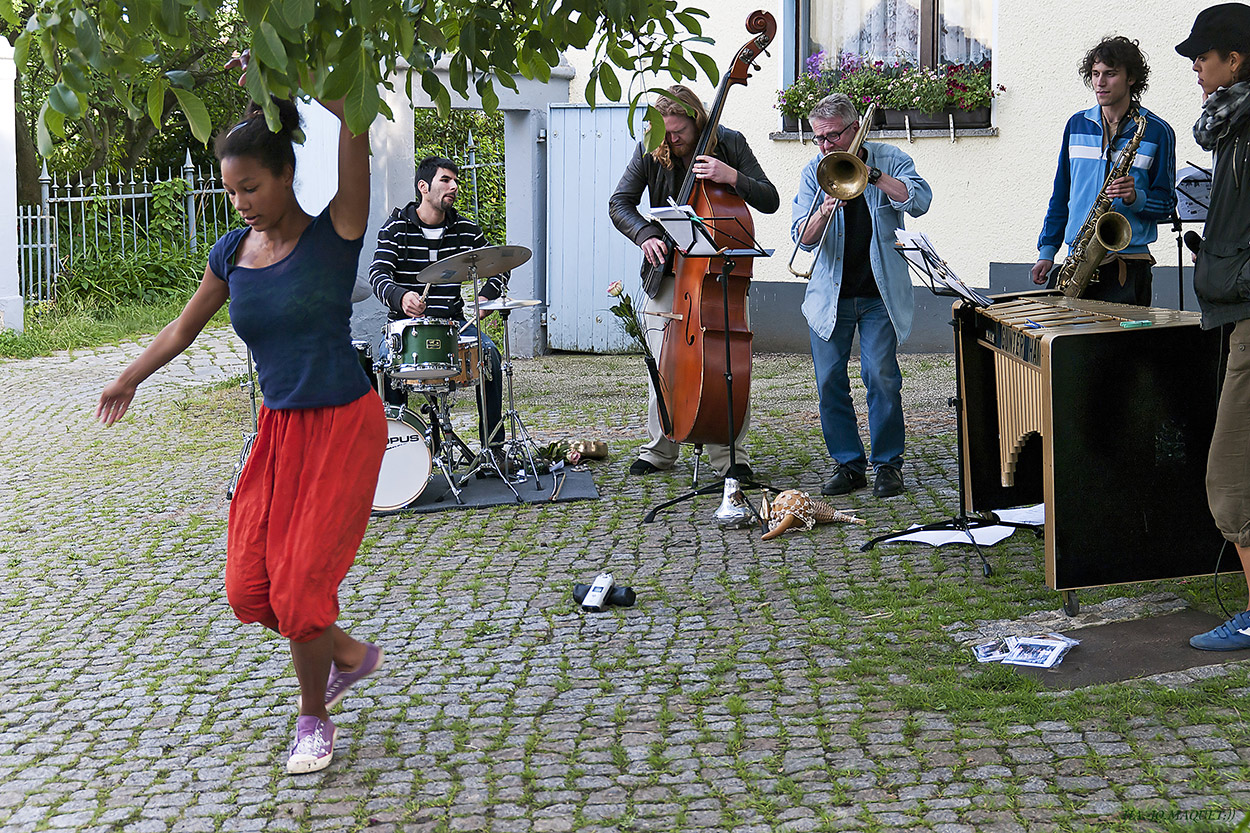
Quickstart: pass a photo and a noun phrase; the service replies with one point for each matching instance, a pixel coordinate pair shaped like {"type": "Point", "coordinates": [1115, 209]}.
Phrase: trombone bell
{"type": "Point", "coordinates": [841, 175]}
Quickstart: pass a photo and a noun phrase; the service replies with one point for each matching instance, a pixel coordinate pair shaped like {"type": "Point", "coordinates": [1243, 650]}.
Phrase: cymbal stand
{"type": "Point", "coordinates": [484, 458]}
{"type": "Point", "coordinates": [521, 442]}
{"type": "Point", "coordinates": [444, 441]}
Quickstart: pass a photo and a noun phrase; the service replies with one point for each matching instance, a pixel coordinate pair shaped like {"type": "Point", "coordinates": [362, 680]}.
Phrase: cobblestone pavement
{"type": "Point", "coordinates": [791, 685]}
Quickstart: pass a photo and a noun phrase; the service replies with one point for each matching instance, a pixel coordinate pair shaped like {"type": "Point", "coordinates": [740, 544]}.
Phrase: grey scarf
{"type": "Point", "coordinates": [1224, 109]}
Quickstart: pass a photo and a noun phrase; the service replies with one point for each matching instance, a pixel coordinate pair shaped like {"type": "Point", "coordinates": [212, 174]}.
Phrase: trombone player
{"type": "Point", "coordinates": [858, 281]}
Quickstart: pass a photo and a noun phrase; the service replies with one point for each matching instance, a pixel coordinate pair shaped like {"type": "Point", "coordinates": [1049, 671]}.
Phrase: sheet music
{"type": "Point", "coordinates": [920, 252]}
{"type": "Point", "coordinates": [686, 228]}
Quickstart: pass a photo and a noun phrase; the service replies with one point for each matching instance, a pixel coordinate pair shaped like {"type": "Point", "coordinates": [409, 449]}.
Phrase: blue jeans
{"type": "Point", "coordinates": [878, 347]}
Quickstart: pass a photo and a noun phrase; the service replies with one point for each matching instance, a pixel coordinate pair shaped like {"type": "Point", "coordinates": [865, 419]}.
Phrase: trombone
{"type": "Point", "coordinates": [843, 176]}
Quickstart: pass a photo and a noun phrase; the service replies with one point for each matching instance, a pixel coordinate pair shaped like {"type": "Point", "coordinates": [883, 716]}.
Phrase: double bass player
{"type": "Point", "coordinates": [661, 174]}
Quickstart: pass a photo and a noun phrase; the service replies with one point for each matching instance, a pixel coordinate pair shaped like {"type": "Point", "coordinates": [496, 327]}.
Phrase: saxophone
{"type": "Point", "coordinates": [1104, 230]}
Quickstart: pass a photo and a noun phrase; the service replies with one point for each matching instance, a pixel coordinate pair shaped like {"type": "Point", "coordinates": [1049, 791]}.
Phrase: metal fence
{"type": "Point", "coordinates": [77, 217]}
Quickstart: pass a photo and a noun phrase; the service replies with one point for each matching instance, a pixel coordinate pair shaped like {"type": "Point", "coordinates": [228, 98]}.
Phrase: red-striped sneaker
{"type": "Point", "coordinates": [314, 745]}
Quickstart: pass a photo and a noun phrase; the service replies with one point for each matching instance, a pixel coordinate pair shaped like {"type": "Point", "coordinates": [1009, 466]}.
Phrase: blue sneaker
{"type": "Point", "coordinates": [1233, 635]}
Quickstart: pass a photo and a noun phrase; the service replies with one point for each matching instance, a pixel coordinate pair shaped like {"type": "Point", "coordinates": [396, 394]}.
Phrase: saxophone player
{"type": "Point", "coordinates": [1093, 140]}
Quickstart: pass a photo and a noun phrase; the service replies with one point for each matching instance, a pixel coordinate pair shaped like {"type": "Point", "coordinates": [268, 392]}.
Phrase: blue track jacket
{"type": "Point", "coordinates": [1083, 167]}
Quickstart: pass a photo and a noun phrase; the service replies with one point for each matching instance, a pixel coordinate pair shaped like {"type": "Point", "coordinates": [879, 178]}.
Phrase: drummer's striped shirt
{"type": "Point", "coordinates": [406, 246]}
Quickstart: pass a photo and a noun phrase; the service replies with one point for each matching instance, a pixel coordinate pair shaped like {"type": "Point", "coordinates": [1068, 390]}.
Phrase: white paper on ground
{"type": "Point", "coordinates": [1033, 515]}
{"type": "Point", "coordinates": [985, 536]}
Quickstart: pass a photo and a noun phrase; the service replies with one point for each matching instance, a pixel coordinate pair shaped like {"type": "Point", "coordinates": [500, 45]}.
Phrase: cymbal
{"type": "Point", "coordinates": [508, 303]}
{"type": "Point", "coordinates": [489, 260]}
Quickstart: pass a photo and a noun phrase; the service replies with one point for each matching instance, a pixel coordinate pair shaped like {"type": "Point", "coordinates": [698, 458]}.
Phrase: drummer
{"type": "Point", "coordinates": [425, 231]}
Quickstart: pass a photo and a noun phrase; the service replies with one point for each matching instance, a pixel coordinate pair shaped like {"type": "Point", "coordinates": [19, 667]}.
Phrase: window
{"type": "Point", "coordinates": [917, 32]}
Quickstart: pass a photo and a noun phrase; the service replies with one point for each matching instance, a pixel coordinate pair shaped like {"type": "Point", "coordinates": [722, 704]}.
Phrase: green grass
{"type": "Point", "coordinates": [71, 324]}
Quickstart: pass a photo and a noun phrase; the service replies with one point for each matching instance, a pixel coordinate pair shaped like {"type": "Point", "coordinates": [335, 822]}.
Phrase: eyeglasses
{"type": "Point", "coordinates": [830, 138]}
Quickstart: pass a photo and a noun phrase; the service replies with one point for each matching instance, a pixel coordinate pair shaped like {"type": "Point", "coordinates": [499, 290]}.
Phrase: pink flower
{"type": "Point", "coordinates": [615, 289]}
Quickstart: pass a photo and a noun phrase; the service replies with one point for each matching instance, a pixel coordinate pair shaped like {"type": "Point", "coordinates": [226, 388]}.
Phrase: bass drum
{"type": "Point", "coordinates": [407, 466]}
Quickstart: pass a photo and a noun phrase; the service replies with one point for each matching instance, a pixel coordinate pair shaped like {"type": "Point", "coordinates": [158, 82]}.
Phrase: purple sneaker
{"type": "Point", "coordinates": [314, 745]}
{"type": "Point", "coordinates": [341, 681]}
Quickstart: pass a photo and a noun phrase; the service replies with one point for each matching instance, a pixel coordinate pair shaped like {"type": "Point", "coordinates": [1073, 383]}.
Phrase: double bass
{"type": "Point", "coordinates": [692, 366]}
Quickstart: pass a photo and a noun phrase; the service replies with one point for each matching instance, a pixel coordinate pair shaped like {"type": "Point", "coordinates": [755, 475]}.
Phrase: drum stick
{"type": "Point", "coordinates": [672, 316]}
{"type": "Point", "coordinates": [425, 292]}
{"type": "Point", "coordinates": [465, 327]}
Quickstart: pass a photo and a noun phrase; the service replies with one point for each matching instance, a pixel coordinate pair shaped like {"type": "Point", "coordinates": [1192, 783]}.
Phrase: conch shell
{"type": "Point", "coordinates": [793, 508]}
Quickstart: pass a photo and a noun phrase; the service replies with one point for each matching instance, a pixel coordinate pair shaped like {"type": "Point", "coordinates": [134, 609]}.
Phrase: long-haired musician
{"type": "Point", "coordinates": [1116, 70]}
{"type": "Point", "coordinates": [858, 282]}
{"type": "Point", "coordinates": [661, 173]}
{"type": "Point", "coordinates": [1219, 46]}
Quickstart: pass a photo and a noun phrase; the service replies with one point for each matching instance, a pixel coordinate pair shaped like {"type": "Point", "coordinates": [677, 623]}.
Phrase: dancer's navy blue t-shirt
{"type": "Point", "coordinates": [295, 315]}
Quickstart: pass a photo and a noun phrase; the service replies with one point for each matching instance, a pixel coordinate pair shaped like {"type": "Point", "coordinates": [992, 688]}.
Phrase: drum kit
{"type": "Point", "coordinates": [432, 358]}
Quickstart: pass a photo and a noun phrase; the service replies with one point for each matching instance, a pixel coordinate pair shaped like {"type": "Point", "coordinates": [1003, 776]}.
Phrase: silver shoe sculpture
{"type": "Point", "coordinates": [733, 512]}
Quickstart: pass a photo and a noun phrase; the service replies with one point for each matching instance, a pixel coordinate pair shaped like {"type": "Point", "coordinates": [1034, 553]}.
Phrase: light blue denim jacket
{"type": "Point", "coordinates": [820, 303]}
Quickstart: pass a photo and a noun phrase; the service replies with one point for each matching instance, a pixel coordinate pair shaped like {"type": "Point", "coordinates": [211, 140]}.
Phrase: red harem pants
{"type": "Point", "coordinates": [299, 514]}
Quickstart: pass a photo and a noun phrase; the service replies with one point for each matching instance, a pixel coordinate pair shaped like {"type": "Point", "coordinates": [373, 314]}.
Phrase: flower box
{"type": "Point", "coordinates": [900, 90]}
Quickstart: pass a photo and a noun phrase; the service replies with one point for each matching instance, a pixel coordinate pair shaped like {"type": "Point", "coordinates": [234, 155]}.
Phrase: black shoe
{"type": "Point", "coordinates": [844, 481]}
{"type": "Point", "coordinates": [740, 471]}
{"type": "Point", "coordinates": [889, 482]}
{"type": "Point", "coordinates": [643, 467]}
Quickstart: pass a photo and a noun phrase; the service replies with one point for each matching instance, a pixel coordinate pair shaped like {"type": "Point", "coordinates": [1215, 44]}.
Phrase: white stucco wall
{"type": "Point", "coordinates": [990, 193]}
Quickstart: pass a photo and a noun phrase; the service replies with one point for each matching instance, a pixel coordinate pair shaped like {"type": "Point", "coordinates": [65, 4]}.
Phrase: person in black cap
{"type": "Point", "coordinates": [1219, 46]}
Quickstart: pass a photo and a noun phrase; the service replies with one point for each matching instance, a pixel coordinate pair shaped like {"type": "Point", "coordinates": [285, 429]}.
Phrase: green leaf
{"type": "Point", "coordinates": [361, 103]}
{"type": "Point", "coordinates": [458, 74]}
{"type": "Point", "coordinates": [608, 82]}
{"type": "Point", "coordinates": [181, 79]}
{"type": "Point", "coordinates": [339, 81]}
{"type": "Point", "coordinates": [21, 51]}
{"type": "Point", "coordinates": [88, 38]}
{"type": "Point", "coordinates": [268, 47]}
{"type": "Point", "coordinates": [709, 67]}
{"type": "Point", "coordinates": [42, 137]}
{"type": "Point", "coordinates": [299, 13]}
{"type": "Point", "coordinates": [9, 13]}
{"type": "Point", "coordinates": [64, 100]}
{"type": "Point", "coordinates": [592, 83]}
{"type": "Point", "coordinates": [197, 114]}
{"type": "Point", "coordinates": [156, 102]}
{"type": "Point", "coordinates": [655, 129]}
{"type": "Point", "coordinates": [490, 99]}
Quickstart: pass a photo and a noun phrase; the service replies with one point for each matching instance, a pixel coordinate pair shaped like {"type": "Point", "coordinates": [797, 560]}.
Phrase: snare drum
{"type": "Point", "coordinates": [421, 348]}
{"type": "Point", "coordinates": [407, 466]}
{"type": "Point", "coordinates": [470, 350]}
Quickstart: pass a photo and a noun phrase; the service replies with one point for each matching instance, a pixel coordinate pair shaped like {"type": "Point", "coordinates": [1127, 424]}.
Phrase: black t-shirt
{"type": "Point", "coordinates": [857, 279]}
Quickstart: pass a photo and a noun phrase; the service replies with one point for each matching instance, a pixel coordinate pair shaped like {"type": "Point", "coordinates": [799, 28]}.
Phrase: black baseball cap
{"type": "Point", "coordinates": [1226, 26]}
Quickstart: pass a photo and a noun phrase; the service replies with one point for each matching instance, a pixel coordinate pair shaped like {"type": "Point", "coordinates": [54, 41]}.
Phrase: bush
{"type": "Point", "coordinates": [148, 274]}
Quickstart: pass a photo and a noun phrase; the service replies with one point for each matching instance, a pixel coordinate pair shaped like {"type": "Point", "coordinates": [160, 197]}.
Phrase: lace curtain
{"type": "Point", "coordinates": [966, 29]}
{"type": "Point", "coordinates": [890, 30]}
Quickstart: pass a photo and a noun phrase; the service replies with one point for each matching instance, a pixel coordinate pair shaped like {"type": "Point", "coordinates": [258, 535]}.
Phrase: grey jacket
{"type": "Point", "coordinates": [1222, 273]}
{"type": "Point", "coordinates": [644, 172]}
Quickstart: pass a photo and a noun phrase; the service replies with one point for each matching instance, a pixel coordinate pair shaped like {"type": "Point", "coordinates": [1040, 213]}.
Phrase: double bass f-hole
{"type": "Point", "coordinates": [687, 319]}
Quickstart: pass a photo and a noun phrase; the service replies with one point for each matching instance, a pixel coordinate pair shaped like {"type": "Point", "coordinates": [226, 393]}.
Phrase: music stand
{"type": "Point", "coordinates": [922, 258]}
{"type": "Point", "coordinates": [692, 236]}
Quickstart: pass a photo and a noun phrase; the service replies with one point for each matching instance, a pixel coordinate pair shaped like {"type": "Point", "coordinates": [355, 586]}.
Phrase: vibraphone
{"type": "Point", "coordinates": [1103, 412]}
